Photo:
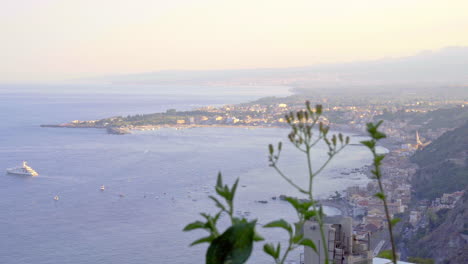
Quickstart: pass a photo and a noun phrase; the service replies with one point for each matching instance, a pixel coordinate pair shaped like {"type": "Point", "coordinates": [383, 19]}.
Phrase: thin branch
{"type": "Point", "coordinates": [328, 161]}
{"type": "Point", "coordinates": [316, 141]}
{"type": "Point", "coordinates": [287, 179]}
{"type": "Point", "coordinates": [299, 148]}
{"type": "Point", "coordinates": [311, 174]}
{"type": "Point", "coordinates": [287, 250]}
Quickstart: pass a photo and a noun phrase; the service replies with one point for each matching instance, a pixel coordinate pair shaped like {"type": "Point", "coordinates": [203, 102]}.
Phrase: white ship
{"type": "Point", "coordinates": [23, 170]}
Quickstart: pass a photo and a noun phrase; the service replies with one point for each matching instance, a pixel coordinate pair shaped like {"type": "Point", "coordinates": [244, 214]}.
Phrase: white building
{"type": "Point", "coordinates": [343, 246]}
{"type": "Point", "coordinates": [414, 217]}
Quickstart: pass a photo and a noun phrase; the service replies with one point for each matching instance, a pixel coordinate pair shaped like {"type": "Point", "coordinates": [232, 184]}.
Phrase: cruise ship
{"type": "Point", "coordinates": [23, 170]}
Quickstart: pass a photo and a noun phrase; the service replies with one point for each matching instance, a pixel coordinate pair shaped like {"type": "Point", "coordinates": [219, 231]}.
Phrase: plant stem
{"type": "Point", "coordinates": [318, 216]}
{"type": "Point", "coordinates": [286, 252]}
{"type": "Point", "coordinates": [387, 214]}
{"type": "Point", "coordinates": [288, 180]}
{"type": "Point", "coordinates": [322, 234]}
{"type": "Point", "coordinates": [311, 175]}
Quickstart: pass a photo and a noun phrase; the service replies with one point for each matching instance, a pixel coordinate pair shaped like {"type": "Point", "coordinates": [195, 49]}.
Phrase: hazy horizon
{"type": "Point", "coordinates": [430, 69]}
{"type": "Point", "coordinates": [53, 40]}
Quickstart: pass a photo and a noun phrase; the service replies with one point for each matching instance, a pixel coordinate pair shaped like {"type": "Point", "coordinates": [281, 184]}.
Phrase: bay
{"type": "Point", "coordinates": [156, 181]}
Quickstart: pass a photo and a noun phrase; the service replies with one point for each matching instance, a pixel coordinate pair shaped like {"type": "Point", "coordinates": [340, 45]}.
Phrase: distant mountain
{"type": "Point", "coordinates": [447, 66]}
{"type": "Point", "coordinates": [442, 67]}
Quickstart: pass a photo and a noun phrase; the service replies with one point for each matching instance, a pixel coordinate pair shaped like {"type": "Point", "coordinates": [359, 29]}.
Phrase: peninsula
{"type": "Point", "coordinates": [429, 117]}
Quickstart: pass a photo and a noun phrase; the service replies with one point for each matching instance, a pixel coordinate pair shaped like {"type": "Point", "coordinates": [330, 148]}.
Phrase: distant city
{"type": "Point", "coordinates": [410, 124]}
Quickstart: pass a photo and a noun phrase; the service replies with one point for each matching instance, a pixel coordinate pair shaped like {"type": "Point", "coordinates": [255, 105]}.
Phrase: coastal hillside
{"type": "Point", "coordinates": [431, 120]}
{"type": "Point", "coordinates": [442, 165]}
{"type": "Point", "coordinates": [445, 236]}
{"type": "Point", "coordinates": [440, 200]}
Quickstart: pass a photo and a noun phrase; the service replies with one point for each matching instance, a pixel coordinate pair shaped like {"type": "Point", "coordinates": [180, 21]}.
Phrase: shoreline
{"type": "Point", "coordinates": [129, 129]}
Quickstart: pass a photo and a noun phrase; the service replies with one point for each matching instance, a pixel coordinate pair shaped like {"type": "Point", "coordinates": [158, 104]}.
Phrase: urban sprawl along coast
{"type": "Point", "coordinates": [410, 125]}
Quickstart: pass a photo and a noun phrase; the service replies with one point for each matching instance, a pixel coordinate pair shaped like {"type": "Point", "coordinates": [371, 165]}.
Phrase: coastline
{"type": "Point", "coordinates": [128, 129]}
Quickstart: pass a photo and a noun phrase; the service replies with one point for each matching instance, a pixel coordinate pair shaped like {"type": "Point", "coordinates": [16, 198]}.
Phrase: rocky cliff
{"type": "Point", "coordinates": [441, 235]}
{"type": "Point", "coordinates": [447, 243]}
{"type": "Point", "coordinates": [443, 165]}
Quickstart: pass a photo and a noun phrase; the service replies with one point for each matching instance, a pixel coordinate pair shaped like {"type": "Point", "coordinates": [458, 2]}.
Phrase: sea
{"type": "Point", "coordinates": [155, 182]}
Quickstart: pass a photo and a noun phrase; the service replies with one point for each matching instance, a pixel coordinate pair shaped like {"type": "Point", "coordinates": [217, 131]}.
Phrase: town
{"type": "Point", "coordinates": [409, 127]}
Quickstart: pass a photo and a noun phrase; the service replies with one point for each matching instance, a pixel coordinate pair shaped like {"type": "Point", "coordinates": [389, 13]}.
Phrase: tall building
{"type": "Point", "coordinates": [344, 247]}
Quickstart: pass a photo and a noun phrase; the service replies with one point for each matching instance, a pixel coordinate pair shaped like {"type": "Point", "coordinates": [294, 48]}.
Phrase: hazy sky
{"type": "Point", "coordinates": [46, 40]}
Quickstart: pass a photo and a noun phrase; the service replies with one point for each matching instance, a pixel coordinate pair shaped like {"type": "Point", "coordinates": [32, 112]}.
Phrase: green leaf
{"type": "Point", "coordinates": [308, 243]}
{"type": "Point", "coordinates": [258, 237]}
{"type": "Point", "coordinates": [278, 250]}
{"type": "Point", "coordinates": [297, 238]}
{"type": "Point", "coordinates": [233, 190]}
{"type": "Point", "coordinates": [194, 225]}
{"type": "Point", "coordinates": [373, 130]}
{"type": "Point", "coordinates": [281, 224]}
{"type": "Point", "coordinates": [378, 124]}
{"type": "Point", "coordinates": [216, 217]}
{"type": "Point", "coordinates": [294, 202]}
{"type": "Point", "coordinates": [270, 149]}
{"type": "Point", "coordinates": [368, 143]}
{"type": "Point", "coordinates": [395, 221]}
{"type": "Point", "coordinates": [219, 182]}
{"type": "Point", "coordinates": [207, 239]}
{"type": "Point", "coordinates": [380, 195]}
{"type": "Point", "coordinates": [379, 135]}
{"type": "Point", "coordinates": [378, 158]}
{"type": "Point", "coordinates": [301, 206]}
{"type": "Point", "coordinates": [236, 220]}
{"type": "Point", "coordinates": [210, 221]}
{"type": "Point", "coordinates": [218, 203]}
{"type": "Point", "coordinates": [234, 246]}
{"type": "Point", "coordinates": [205, 215]}
{"type": "Point", "coordinates": [309, 214]}
{"type": "Point", "coordinates": [269, 248]}
{"type": "Point", "coordinates": [305, 205]}
{"type": "Point", "coordinates": [223, 192]}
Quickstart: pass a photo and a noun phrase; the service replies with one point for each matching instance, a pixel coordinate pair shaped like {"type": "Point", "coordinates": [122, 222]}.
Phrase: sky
{"type": "Point", "coordinates": [56, 40]}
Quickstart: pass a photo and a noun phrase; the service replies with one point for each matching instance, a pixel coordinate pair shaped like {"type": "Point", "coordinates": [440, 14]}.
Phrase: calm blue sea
{"type": "Point", "coordinates": [163, 175]}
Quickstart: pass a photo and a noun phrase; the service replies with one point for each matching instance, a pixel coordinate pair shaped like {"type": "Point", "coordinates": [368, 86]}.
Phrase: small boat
{"type": "Point", "coordinates": [23, 170]}
{"type": "Point", "coordinates": [56, 198]}
{"type": "Point", "coordinates": [102, 188]}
